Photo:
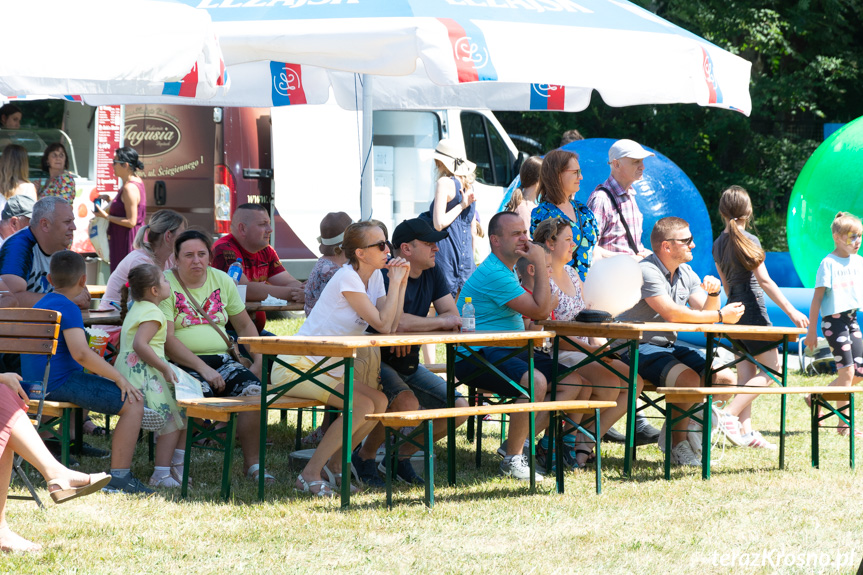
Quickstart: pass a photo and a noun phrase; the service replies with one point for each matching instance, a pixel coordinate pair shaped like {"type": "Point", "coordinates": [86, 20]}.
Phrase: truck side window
{"type": "Point", "coordinates": [500, 157]}
{"type": "Point", "coordinates": [476, 146]}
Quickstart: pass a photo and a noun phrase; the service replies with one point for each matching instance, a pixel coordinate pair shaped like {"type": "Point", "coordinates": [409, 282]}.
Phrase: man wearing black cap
{"type": "Point", "coordinates": [15, 216]}
{"type": "Point", "coordinates": [406, 383]}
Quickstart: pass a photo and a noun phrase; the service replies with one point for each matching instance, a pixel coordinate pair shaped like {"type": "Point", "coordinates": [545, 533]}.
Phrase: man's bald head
{"type": "Point", "coordinates": [250, 225]}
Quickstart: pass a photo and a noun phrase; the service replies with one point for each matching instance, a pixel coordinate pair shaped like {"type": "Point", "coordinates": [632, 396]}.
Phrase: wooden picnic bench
{"type": "Point", "coordinates": [422, 435]}
{"type": "Point", "coordinates": [224, 409]}
{"type": "Point", "coordinates": [702, 398]}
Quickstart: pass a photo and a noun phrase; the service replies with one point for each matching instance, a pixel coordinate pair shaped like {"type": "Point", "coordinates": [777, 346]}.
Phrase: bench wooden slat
{"type": "Point", "coordinates": [26, 314]}
{"type": "Point", "coordinates": [50, 408]}
{"type": "Point", "coordinates": [221, 408]}
{"type": "Point", "coordinates": [435, 367]}
{"type": "Point", "coordinates": [31, 346]}
{"type": "Point", "coordinates": [30, 330]}
{"type": "Point", "coordinates": [697, 394]}
{"type": "Point", "coordinates": [403, 418]}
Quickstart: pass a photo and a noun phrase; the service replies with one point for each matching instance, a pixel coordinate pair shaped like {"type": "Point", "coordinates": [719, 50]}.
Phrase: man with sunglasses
{"type": "Point", "coordinates": [672, 292]}
{"type": "Point", "coordinates": [620, 227]}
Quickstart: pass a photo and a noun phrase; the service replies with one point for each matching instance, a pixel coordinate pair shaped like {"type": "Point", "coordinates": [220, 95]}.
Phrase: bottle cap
{"type": "Point", "coordinates": [468, 300]}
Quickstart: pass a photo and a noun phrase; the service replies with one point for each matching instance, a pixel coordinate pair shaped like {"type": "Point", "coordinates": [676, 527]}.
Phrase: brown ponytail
{"type": "Point", "coordinates": [141, 278]}
{"type": "Point", "coordinates": [734, 207]}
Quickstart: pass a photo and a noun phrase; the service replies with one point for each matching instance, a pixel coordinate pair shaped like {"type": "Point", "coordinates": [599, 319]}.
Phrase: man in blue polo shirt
{"type": "Point", "coordinates": [500, 302]}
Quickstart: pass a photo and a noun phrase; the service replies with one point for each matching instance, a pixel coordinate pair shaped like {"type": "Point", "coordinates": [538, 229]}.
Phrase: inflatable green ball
{"type": "Point", "coordinates": [830, 182]}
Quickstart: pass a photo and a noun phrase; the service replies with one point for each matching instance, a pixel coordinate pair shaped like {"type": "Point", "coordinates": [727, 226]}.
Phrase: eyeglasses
{"type": "Point", "coordinates": [684, 241]}
{"type": "Point", "coordinates": [575, 173]}
{"type": "Point", "coordinates": [380, 245]}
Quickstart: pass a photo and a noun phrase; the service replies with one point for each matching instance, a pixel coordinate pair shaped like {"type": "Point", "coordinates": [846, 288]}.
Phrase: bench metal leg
{"type": "Point", "coordinates": [559, 419]}
{"type": "Point", "coordinates": [706, 439]}
{"type": "Point", "coordinates": [230, 433]}
{"type": "Point", "coordinates": [450, 402]}
{"type": "Point", "coordinates": [388, 462]}
{"type": "Point", "coordinates": [479, 421]}
{"type": "Point", "coordinates": [190, 438]}
{"type": "Point", "coordinates": [629, 450]}
{"type": "Point", "coordinates": [298, 441]}
{"type": "Point", "coordinates": [815, 401]}
{"type": "Point", "coordinates": [428, 462]}
{"type": "Point", "coordinates": [471, 401]}
{"type": "Point", "coordinates": [598, 440]}
{"type": "Point", "coordinates": [851, 429]}
{"type": "Point", "coordinates": [347, 429]}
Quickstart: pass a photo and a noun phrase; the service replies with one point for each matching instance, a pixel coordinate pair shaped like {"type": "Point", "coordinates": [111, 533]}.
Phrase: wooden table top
{"type": "Point", "coordinates": [92, 318]}
{"type": "Point", "coordinates": [258, 306]}
{"type": "Point", "coordinates": [622, 330]}
{"type": "Point", "coordinates": [346, 345]}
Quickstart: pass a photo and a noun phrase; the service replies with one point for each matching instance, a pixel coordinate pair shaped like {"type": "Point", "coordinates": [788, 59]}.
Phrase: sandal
{"type": "Point", "coordinates": [335, 479]}
{"type": "Point", "coordinates": [254, 472]}
{"type": "Point", "coordinates": [67, 491]}
{"type": "Point", "coordinates": [324, 491]}
{"type": "Point", "coordinates": [94, 429]}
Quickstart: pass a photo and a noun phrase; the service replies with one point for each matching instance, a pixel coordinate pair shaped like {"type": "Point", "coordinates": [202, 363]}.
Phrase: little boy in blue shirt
{"type": "Point", "coordinates": [104, 390]}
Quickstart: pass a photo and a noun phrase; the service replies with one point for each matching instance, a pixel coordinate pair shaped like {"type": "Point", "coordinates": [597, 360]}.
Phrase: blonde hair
{"type": "Point", "coordinates": [443, 172]}
{"type": "Point", "coordinates": [161, 222]}
{"type": "Point", "coordinates": [845, 223]}
{"type": "Point", "coordinates": [14, 169]}
{"type": "Point", "coordinates": [735, 206]}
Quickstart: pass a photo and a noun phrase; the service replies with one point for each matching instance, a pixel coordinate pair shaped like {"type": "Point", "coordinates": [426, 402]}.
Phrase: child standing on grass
{"type": "Point", "coordinates": [142, 361]}
{"type": "Point", "coordinates": [838, 296]}
{"type": "Point", "coordinates": [740, 263]}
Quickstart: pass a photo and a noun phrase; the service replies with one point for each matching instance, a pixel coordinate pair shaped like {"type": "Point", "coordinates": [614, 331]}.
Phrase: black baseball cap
{"type": "Point", "coordinates": [416, 229]}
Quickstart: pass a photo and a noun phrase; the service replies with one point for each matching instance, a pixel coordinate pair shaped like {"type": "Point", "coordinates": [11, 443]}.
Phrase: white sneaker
{"type": "Point", "coordinates": [755, 439]}
{"type": "Point", "coordinates": [165, 481]}
{"type": "Point", "coordinates": [681, 454]}
{"type": "Point", "coordinates": [501, 451]}
{"type": "Point", "coordinates": [729, 426]}
{"type": "Point", "coordinates": [517, 466]}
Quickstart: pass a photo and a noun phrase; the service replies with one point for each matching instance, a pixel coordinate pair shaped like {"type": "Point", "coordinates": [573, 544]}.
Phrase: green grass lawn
{"type": "Point", "coordinates": [750, 517]}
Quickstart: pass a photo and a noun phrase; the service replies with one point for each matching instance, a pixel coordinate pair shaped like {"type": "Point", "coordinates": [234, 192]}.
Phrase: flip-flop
{"type": "Point", "coordinates": [67, 491]}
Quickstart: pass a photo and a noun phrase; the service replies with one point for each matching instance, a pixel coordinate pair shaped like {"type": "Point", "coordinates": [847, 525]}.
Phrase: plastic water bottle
{"type": "Point", "coordinates": [468, 316]}
{"type": "Point", "coordinates": [235, 272]}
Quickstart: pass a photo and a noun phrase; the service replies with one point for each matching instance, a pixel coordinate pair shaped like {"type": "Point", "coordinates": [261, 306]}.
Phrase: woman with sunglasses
{"type": "Point", "coordinates": [128, 210]}
{"type": "Point", "coordinates": [559, 181]}
{"type": "Point", "coordinates": [353, 300]}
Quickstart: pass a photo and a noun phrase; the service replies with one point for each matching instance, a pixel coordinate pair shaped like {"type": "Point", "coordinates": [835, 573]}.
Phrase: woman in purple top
{"type": "Point", "coordinates": [128, 210]}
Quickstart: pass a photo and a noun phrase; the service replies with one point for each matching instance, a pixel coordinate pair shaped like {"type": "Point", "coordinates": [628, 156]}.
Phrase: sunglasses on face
{"type": "Point", "coordinates": [684, 241]}
{"type": "Point", "coordinates": [380, 245]}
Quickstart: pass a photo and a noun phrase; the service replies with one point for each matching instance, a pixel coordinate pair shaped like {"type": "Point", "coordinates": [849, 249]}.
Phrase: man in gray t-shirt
{"type": "Point", "coordinates": [672, 292]}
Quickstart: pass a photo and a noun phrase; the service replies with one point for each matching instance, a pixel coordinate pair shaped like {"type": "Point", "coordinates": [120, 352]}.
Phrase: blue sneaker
{"type": "Point", "coordinates": [365, 471]}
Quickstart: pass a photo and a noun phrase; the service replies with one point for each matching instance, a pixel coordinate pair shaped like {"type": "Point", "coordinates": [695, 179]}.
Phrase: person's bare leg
{"type": "Point", "coordinates": [125, 435]}
{"type": "Point", "coordinates": [165, 446]}
{"type": "Point", "coordinates": [9, 540]}
{"type": "Point", "coordinates": [24, 441]}
{"type": "Point", "coordinates": [519, 423]}
{"type": "Point", "coordinates": [844, 378]}
{"type": "Point", "coordinates": [750, 376]}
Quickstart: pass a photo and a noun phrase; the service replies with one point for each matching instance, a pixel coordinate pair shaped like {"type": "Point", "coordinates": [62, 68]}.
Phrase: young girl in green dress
{"type": "Point", "coordinates": [142, 361]}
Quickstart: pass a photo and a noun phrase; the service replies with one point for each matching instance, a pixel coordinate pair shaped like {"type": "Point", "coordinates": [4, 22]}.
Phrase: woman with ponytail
{"type": "Point", "coordinates": [128, 210]}
{"type": "Point", "coordinates": [740, 262]}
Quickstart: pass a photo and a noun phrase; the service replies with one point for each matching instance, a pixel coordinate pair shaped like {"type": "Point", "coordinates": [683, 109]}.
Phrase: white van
{"type": "Point", "coordinates": [318, 165]}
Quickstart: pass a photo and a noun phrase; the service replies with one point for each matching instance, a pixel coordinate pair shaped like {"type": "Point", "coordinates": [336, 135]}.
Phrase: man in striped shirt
{"type": "Point", "coordinates": [620, 225]}
{"type": "Point", "coordinates": [626, 159]}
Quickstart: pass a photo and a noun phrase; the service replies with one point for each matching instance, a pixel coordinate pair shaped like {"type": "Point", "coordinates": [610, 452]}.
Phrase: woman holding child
{"type": "Point", "coordinates": [557, 236]}
{"type": "Point", "coordinates": [354, 299]}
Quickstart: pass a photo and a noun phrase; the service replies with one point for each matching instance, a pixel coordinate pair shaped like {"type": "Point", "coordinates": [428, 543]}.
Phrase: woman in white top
{"type": "Point", "coordinates": [352, 300]}
{"type": "Point", "coordinates": [14, 174]}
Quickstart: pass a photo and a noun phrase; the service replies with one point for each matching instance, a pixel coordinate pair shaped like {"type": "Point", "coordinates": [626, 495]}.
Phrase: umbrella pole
{"type": "Point", "coordinates": [367, 160]}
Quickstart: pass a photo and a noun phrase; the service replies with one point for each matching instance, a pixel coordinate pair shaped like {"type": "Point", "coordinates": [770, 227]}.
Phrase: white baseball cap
{"type": "Point", "coordinates": [627, 149]}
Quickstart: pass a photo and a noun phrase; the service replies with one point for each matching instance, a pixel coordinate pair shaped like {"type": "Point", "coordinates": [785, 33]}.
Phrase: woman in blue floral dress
{"type": "Point", "coordinates": [560, 179]}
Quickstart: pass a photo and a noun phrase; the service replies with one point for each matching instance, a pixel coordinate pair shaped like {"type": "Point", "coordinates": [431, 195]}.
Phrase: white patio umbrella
{"type": "Point", "coordinates": [130, 47]}
{"type": "Point", "coordinates": [504, 55]}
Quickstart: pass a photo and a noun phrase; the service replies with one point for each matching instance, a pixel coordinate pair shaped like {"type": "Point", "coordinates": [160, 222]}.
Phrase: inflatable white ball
{"type": "Point", "coordinates": [613, 284]}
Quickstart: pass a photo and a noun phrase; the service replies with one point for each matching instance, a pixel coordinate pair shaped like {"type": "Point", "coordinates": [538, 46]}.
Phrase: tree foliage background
{"type": "Point", "coordinates": [806, 71]}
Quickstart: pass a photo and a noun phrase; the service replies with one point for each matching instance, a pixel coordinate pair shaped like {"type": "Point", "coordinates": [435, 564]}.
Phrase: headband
{"type": "Point", "coordinates": [331, 241]}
